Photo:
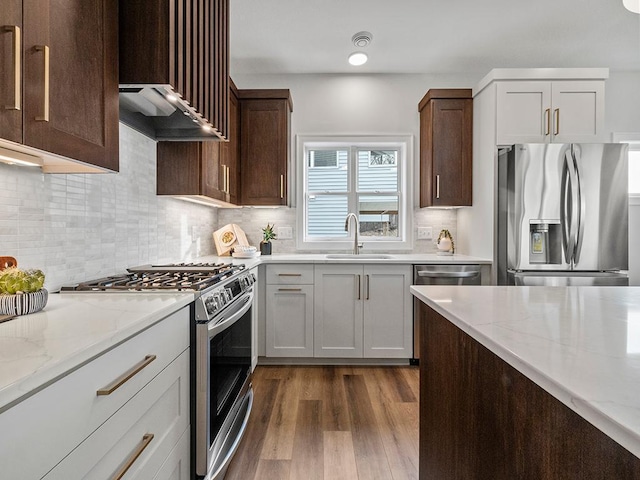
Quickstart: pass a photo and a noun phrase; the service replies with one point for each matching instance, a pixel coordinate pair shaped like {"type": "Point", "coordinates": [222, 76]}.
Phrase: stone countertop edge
{"type": "Point", "coordinates": [40, 348]}
{"type": "Point", "coordinates": [400, 258]}
{"type": "Point", "coordinates": [611, 412]}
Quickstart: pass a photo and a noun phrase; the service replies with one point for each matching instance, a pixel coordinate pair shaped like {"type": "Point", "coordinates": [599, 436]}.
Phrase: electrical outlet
{"type": "Point", "coordinates": [425, 233]}
{"type": "Point", "coordinates": [285, 233]}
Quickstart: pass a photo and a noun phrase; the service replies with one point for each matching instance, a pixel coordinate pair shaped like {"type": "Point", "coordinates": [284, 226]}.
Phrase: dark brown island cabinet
{"type": "Point", "coordinates": [59, 83]}
{"type": "Point", "coordinates": [174, 68]}
{"type": "Point", "coordinates": [265, 126]}
{"type": "Point", "coordinates": [482, 419]}
{"type": "Point", "coordinates": [446, 132]}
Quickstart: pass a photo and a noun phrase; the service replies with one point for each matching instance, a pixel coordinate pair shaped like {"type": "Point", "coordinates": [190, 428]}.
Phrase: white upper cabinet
{"type": "Point", "coordinates": [540, 111]}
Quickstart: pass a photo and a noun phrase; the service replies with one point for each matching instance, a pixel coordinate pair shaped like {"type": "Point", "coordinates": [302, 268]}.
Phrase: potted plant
{"type": "Point", "coordinates": [22, 291]}
{"type": "Point", "coordinates": [267, 235]}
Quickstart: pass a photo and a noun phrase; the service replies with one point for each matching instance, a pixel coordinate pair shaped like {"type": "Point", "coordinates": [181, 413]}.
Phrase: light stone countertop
{"type": "Point", "coordinates": [37, 349]}
{"type": "Point", "coordinates": [395, 258]}
{"type": "Point", "coordinates": [580, 344]}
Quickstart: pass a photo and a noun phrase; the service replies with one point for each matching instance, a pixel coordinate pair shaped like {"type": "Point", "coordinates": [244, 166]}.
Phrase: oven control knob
{"type": "Point", "coordinates": [252, 278]}
{"type": "Point", "coordinates": [210, 305]}
{"type": "Point", "coordinates": [220, 300]}
{"type": "Point", "coordinates": [228, 294]}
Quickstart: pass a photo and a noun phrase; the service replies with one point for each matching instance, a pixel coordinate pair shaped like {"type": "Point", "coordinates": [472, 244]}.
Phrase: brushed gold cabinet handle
{"type": "Point", "coordinates": [358, 287]}
{"type": "Point", "coordinates": [547, 114]}
{"type": "Point", "coordinates": [224, 178]}
{"type": "Point", "coordinates": [16, 65]}
{"type": "Point", "coordinates": [289, 289]}
{"type": "Point", "coordinates": [281, 186]}
{"type": "Point", "coordinates": [367, 284]}
{"type": "Point", "coordinates": [227, 180]}
{"type": "Point", "coordinates": [437, 186]}
{"type": "Point", "coordinates": [144, 443]}
{"type": "Point", "coordinates": [126, 376]}
{"type": "Point", "coordinates": [289, 274]}
{"type": "Point", "coordinates": [556, 121]}
{"type": "Point", "coordinates": [45, 106]}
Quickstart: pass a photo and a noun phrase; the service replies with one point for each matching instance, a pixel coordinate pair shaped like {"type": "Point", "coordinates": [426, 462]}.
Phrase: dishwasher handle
{"type": "Point", "coordinates": [441, 274]}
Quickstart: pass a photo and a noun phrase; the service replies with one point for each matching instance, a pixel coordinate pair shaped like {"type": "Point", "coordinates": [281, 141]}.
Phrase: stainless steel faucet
{"type": "Point", "coordinates": [356, 246]}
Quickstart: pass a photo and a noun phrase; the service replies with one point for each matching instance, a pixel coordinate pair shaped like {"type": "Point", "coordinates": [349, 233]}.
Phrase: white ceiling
{"type": "Point", "coordinates": [431, 36]}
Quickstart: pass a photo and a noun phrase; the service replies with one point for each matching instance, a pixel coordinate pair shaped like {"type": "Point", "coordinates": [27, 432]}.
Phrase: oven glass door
{"type": "Point", "coordinates": [229, 366]}
{"type": "Point", "coordinates": [223, 369]}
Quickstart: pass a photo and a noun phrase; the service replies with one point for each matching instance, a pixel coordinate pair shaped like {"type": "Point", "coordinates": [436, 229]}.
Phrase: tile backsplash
{"type": "Point", "coordinates": [84, 226]}
{"type": "Point", "coordinates": [252, 220]}
{"type": "Point", "coordinates": [78, 227]}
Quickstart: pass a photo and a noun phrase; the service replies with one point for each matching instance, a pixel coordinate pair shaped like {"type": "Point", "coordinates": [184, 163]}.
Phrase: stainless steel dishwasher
{"type": "Point", "coordinates": [467, 274]}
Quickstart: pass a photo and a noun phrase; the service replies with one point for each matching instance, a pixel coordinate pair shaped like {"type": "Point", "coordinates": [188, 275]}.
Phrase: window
{"type": "Point", "coordinates": [364, 175]}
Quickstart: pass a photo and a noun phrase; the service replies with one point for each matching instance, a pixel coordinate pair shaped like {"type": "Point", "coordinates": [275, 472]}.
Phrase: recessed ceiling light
{"type": "Point", "coordinates": [358, 58]}
{"type": "Point", "coordinates": [632, 5]}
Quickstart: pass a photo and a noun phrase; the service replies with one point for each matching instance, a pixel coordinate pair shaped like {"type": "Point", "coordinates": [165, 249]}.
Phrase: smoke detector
{"type": "Point", "coordinates": [361, 39]}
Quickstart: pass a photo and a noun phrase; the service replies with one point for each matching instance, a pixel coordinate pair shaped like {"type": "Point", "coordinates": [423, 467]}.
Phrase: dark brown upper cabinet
{"type": "Point", "coordinates": [230, 151]}
{"type": "Point", "coordinates": [59, 83]}
{"type": "Point", "coordinates": [192, 171]}
{"type": "Point", "coordinates": [174, 67]}
{"type": "Point", "coordinates": [206, 172]}
{"type": "Point", "coordinates": [446, 128]}
{"type": "Point", "coordinates": [265, 130]}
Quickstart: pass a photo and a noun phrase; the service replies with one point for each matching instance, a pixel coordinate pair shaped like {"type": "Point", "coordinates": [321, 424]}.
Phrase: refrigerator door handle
{"type": "Point", "coordinates": [580, 204]}
{"type": "Point", "coordinates": [565, 211]}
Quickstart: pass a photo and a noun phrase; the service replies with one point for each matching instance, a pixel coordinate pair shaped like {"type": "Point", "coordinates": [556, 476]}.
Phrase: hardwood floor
{"type": "Point", "coordinates": [337, 423]}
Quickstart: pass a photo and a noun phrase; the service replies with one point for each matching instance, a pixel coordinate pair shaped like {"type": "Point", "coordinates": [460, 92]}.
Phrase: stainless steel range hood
{"type": "Point", "coordinates": [158, 112]}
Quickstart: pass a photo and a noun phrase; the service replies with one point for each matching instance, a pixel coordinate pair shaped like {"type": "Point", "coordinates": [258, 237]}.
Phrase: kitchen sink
{"type": "Point", "coordinates": [362, 256]}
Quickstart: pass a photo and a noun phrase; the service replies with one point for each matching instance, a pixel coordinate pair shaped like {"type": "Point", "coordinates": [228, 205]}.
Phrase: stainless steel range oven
{"type": "Point", "coordinates": [221, 350]}
{"type": "Point", "coordinates": [223, 374]}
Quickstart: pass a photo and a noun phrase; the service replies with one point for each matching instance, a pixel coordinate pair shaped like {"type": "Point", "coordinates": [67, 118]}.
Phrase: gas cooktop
{"type": "Point", "coordinates": [172, 277]}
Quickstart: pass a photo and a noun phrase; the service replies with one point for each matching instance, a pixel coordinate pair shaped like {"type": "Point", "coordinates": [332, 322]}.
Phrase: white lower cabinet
{"type": "Point", "coordinates": [177, 466]}
{"type": "Point", "coordinates": [88, 423]}
{"type": "Point", "coordinates": [289, 321]}
{"type": "Point", "coordinates": [363, 311]}
{"type": "Point", "coordinates": [289, 311]}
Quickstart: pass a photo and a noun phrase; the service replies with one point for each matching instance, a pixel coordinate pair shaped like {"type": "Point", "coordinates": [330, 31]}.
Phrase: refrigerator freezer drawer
{"type": "Point", "coordinates": [567, 279]}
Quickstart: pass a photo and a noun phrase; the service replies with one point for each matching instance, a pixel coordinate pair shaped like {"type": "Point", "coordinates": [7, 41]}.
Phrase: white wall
{"type": "Point", "coordinates": [79, 227]}
{"type": "Point", "coordinates": [354, 105]}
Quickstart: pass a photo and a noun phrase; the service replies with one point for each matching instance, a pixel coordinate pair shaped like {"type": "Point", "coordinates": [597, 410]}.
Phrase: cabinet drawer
{"type": "Point", "coordinates": [290, 274]}
{"type": "Point", "coordinates": [150, 424]}
{"type": "Point", "coordinates": [178, 464]}
{"type": "Point", "coordinates": [48, 425]}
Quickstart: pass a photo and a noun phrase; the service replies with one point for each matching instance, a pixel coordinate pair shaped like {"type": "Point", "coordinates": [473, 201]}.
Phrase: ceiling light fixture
{"type": "Point", "coordinates": [632, 5]}
{"type": "Point", "coordinates": [358, 58]}
{"type": "Point", "coordinates": [18, 158]}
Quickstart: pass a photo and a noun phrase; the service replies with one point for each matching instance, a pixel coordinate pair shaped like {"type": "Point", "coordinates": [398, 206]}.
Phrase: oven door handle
{"type": "Point", "coordinates": [230, 317]}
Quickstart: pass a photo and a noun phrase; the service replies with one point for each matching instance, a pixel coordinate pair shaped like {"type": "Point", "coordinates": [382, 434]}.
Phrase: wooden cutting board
{"type": "Point", "coordinates": [227, 237]}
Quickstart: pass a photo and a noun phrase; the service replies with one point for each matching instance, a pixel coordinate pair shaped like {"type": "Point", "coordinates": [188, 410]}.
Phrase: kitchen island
{"type": "Point", "coordinates": [529, 382]}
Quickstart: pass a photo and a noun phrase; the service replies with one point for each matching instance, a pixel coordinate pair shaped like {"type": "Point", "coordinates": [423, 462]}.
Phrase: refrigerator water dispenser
{"type": "Point", "coordinates": [545, 242]}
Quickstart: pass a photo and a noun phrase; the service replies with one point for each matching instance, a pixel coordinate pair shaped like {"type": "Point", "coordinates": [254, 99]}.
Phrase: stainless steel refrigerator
{"type": "Point", "coordinates": [563, 214]}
